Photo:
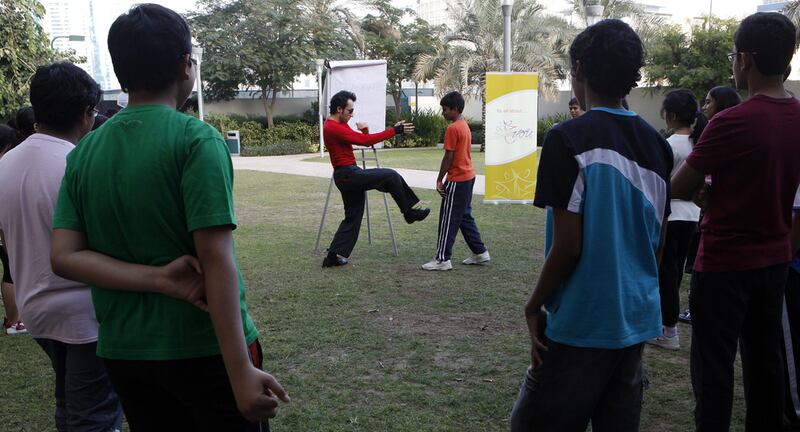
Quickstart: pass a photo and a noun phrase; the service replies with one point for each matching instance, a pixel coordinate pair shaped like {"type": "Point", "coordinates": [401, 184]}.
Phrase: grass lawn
{"type": "Point", "coordinates": [379, 345]}
{"type": "Point", "coordinates": [422, 159]}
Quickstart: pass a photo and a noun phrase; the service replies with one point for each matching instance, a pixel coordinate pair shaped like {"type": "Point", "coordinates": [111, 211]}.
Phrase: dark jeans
{"type": "Point", "coordinates": [6, 266]}
{"type": "Point", "coordinates": [670, 272]}
{"type": "Point", "coordinates": [353, 182]}
{"type": "Point", "coordinates": [85, 400]}
{"type": "Point", "coordinates": [456, 214]}
{"type": "Point", "coordinates": [791, 345]}
{"type": "Point", "coordinates": [577, 385]}
{"type": "Point", "coordinates": [726, 307]}
{"type": "Point", "coordinates": [180, 395]}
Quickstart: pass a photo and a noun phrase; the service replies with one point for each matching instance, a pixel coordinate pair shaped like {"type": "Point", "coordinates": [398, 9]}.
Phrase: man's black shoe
{"type": "Point", "coordinates": [416, 215]}
{"type": "Point", "coordinates": [333, 260]}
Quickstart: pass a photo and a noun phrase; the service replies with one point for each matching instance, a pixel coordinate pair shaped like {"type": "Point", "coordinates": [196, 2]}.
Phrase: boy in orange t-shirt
{"type": "Point", "coordinates": [456, 191]}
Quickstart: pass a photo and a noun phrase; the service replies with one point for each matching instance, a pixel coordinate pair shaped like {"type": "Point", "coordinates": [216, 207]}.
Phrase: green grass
{"type": "Point", "coordinates": [422, 159]}
{"type": "Point", "coordinates": [378, 345]}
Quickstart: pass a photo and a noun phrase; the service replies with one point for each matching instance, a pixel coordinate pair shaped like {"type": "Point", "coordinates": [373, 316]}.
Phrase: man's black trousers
{"type": "Point", "coordinates": [354, 182]}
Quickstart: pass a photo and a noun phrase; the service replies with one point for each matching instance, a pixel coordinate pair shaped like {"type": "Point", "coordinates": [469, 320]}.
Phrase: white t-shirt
{"type": "Point", "coordinates": [681, 210]}
{"type": "Point", "coordinates": [50, 307]}
{"type": "Point", "coordinates": [797, 200]}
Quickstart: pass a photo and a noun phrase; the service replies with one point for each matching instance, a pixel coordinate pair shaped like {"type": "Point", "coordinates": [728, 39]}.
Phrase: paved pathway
{"type": "Point", "coordinates": [293, 164]}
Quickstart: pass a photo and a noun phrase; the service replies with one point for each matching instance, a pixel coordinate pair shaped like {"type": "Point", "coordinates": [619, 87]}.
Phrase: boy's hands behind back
{"type": "Point", "coordinates": [183, 280]}
{"type": "Point", "coordinates": [257, 394]}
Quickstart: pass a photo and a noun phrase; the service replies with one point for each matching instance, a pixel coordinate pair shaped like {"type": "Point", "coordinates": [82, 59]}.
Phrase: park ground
{"type": "Point", "coordinates": [380, 345]}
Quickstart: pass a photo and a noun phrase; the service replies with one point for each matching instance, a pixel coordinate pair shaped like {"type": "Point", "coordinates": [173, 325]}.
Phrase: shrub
{"type": "Point", "coordinates": [546, 123]}
{"type": "Point", "coordinates": [256, 140]}
{"type": "Point", "coordinates": [429, 128]}
{"type": "Point", "coordinates": [478, 133]}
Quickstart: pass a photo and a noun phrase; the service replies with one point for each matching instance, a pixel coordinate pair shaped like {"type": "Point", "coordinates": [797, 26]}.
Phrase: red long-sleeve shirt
{"type": "Point", "coordinates": [340, 138]}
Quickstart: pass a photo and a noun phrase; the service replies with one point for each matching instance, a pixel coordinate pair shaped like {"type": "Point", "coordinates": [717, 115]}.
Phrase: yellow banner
{"type": "Point", "coordinates": [511, 152]}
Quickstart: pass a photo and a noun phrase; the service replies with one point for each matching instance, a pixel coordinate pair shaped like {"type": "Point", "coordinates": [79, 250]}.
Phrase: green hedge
{"type": "Point", "coordinates": [256, 140]}
{"type": "Point", "coordinates": [546, 123]}
{"type": "Point", "coordinates": [429, 127]}
{"type": "Point", "coordinates": [478, 134]}
{"type": "Point", "coordinates": [295, 137]}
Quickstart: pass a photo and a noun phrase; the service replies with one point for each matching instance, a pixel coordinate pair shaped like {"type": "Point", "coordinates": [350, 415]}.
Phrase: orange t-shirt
{"type": "Point", "coordinates": [458, 139]}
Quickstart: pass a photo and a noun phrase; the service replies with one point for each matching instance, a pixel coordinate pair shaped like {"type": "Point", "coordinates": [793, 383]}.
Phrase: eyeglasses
{"type": "Point", "coordinates": [733, 55]}
{"type": "Point", "coordinates": [95, 112]}
{"type": "Point", "coordinates": [191, 60]}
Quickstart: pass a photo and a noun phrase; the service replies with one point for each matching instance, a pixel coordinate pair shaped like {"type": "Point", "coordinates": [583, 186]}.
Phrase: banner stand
{"type": "Point", "coordinates": [512, 155]}
{"type": "Point", "coordinates": [363, 159]}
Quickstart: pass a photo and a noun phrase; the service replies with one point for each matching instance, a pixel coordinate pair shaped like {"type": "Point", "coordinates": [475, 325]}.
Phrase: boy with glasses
{"type": "Point", "coordinates": [751, 153]}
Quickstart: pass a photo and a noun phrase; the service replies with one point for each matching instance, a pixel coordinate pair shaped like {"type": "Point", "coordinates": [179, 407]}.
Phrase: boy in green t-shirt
{"type": "Point", "coordinates": [149, 186]}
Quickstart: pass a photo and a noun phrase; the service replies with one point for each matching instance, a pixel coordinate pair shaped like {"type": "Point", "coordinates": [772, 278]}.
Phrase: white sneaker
{"type": "Point", "coordinates": [477, 259]}
{"type": "Point", "coordinates": [14, 328]}
{"type": "Point", "coordinates": [670, 343]}
{"type": "Point", "coordinates": [437, 265]}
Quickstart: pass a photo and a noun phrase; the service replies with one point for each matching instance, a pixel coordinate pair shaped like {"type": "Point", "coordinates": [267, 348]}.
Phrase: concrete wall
{"type": "Point", "coordinates": [645, 102]}
{"type": "Point", "coordinates": [254, 107]}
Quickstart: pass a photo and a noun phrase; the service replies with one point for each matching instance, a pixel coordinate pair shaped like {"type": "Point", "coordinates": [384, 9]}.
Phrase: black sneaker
{"type": "Point", "coordinates": [334, 260]}
{"type": "Point", "coordinates": [685, 317]}
{"type": "Point", "coordinates": [416, 215]}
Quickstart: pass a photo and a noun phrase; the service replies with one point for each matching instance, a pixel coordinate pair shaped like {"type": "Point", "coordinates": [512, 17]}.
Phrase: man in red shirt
{"type": "Point", "coordinates": [752, 154]}
{"type": "Point", "coordinates": [353, 182]}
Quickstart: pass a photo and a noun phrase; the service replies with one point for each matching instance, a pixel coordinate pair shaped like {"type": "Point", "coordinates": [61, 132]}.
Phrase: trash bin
{"type": "Point", "coordinates": [233, 142]}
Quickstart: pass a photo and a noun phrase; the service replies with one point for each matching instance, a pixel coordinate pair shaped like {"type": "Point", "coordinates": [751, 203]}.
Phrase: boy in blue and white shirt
{"type": "Point", "coordinates": [604, 179]}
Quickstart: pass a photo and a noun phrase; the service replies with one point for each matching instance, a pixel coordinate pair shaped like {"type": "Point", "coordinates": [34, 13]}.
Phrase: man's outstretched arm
{"type": "Point", "coordinates": [348, 135]}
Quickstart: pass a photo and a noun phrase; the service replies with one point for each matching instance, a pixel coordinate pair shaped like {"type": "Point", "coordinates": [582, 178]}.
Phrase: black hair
{"type": "Point", "coordinates": [453, 100]}
{"type": "Point", "coordinates": [61, 93]}
{"type": "Point", "coordinates": [724, 97]}
{"type": "Point", "coordinates": [610, 54]}
{"type": "Point", "coordinates": [99, 120]}
{"type": "Point", "coordinates": [770, 37]}
{"type": "Point", "coordinates": [25, 121]}
{"type": "Point", "coordinates": [9, 138]}
{"type": "Point", "coordinates": [339, 100]}
{"type": "Point", "coordinates": [683, 105]}
{"type": "Point", "coordinates": [145, 45]}
{"type": "Point", "coordinates": [573, 102]}
{"type": "Point", "coordinates": [624, 103]}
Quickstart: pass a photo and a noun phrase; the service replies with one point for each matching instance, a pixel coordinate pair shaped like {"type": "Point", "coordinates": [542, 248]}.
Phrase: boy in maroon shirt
{"type": "Point", "coordinates": [751, 152]}
{"type": "Point", "coordinates": [354, 182]}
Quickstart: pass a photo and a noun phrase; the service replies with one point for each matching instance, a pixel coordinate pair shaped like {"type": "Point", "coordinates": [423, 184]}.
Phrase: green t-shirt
{"type": "Point", "coordinates": [137, 187]}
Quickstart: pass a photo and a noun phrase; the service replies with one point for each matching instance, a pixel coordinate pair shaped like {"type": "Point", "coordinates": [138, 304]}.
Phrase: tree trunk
{"type": "Point", "coordinates": [416, 97]}
{"type": "Point", "coordinates": [269, 108]}
{"type": "Point", "coordinates": [397, 111]}
{"type": "Point", "coordinates": [397, 107]}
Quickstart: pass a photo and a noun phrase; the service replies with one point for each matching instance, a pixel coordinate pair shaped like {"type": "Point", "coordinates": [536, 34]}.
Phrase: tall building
{"type": "Point", "coordinates": [772, 6]}
{"type": "Point", "coordinates": [434, 12]}
{"type": "Point", "coordinates": [69, 17]}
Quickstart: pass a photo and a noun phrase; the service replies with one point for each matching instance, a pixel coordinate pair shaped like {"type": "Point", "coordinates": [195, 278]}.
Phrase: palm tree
{"type": "Point", "coordinates": [649, 27]}
{"type": "Point", "coordinates": [611, 9]}
{"type": "Point", "coordinates": [792, 11]}
{"type": "Point", "coordinates": [474, 47]}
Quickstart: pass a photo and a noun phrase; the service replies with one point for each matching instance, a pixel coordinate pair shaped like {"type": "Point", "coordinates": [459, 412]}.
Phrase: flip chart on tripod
{"type": "Point", "coordinates": [367, 79]}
